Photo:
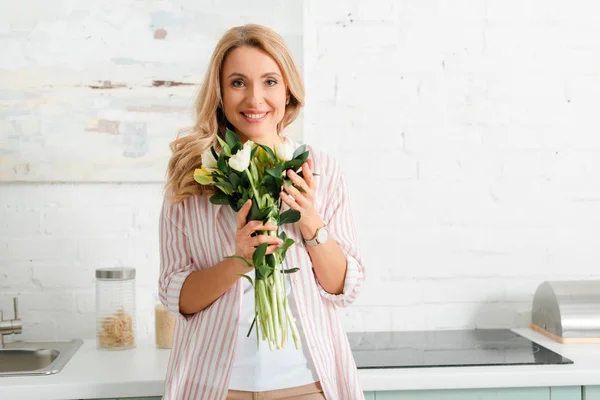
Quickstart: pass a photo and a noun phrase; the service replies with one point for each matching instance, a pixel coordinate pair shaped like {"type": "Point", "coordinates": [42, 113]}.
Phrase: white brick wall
{"type": "Point", "coordinates": [55, 236]}
{"type": "Point", "coordinates": [468, 133]}
{"type": "Point", "coordinates": [485, 113]}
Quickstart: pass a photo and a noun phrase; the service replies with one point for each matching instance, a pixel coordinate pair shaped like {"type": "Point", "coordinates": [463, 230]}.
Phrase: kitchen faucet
{"type": "Point", "coordinates": [10, 325]}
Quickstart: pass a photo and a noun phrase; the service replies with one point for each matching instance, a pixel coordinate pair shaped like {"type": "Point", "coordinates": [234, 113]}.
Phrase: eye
{"type": "Point", "coordinates": [271, 82]}
{"type": "Point", "coordinates": [237, 83]}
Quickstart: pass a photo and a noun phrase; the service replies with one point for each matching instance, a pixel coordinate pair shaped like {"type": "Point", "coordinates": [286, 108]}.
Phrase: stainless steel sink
{"type": "Point", "coordinates": [36, 357]}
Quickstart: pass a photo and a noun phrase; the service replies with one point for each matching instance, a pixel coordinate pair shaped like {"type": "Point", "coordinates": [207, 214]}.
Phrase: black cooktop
{"type": "Point", "coordinates": [448, 348]}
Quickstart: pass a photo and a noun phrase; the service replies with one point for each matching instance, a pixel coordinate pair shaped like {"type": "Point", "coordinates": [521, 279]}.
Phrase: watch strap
{"type": "Point", "coordinates": [314, 241]}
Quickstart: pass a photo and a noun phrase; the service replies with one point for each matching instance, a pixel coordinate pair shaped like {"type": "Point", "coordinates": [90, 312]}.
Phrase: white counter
{"type": "Point", "coordinates": [139, 372]}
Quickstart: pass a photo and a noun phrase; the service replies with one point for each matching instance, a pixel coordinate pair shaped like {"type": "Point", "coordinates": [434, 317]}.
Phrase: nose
{"type": "Point", "coordinates": [255, 95]}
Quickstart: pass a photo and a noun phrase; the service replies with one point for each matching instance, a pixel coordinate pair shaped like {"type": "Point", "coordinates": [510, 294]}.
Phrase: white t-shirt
{"type": "Point", "coordinates": [260, 369]}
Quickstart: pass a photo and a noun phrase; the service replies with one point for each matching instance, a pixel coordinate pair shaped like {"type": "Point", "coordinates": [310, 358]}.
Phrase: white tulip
{"type": "Point", "coordinates": [284, 151]}
{"type": "Point", "coordinates": [241, 160]}
{"type": "Point", "coordinates": [209, 161]}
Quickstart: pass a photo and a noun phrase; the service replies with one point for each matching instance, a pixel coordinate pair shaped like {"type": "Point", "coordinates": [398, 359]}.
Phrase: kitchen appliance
{"type": "Point", "coordinates": [567, 311]}
{"type": "Point", "coordinates": [447, 348]}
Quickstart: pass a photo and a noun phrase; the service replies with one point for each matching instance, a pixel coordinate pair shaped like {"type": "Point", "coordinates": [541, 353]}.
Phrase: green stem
{"type": "Point", "coordinates": [295, 334]}
{"type": "Point", "coordinates": [275, 308]}
{"type": "Point", "coordinates": [278, 278]}
{"type": "Point", "coordinates": [254, 190]}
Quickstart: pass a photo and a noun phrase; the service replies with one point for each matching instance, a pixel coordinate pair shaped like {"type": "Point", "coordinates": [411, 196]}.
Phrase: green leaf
{"type": "Point", "coordinates": [232, 139]}
{"type": "Point", "coordinates": [301, 149]}
{"type": "Point", "coordinates": [289, 217]}
{"type": "Point", "coordinates": [270, 153]}
{"type": "Point", "coordinates": [234, 179]}
{"type": "Point", "coordinates": [234, 202]}
{"type": "Point", "coordinates": [271, 261]}
{"type": "Point", "coordinates": [241, 258]}
{"type": "Point", "coordinates": [202, 179]}
{"type": "Point", "coordinates": [248, 278]}
{"type": "Point", "coordinates": [225, 186]}
{"type": "Point", "coordinates": [293, 164]}
{"type": "Point", "coordinates": [214, 153]}
{"type": "Point", "coordinates": [224, 146]}
{"type": "Point", "coordinates": [222, 165]}
{"type": "Point", "coordinates": [262, 271]}
{"type": "Point", "coordinates": [251, 325]}
{"type": "Point", "coordinates": [300, 189]}
{"type": "Point", "coordinates": [237, 147]}
{"type": "Point", "coordinates": [276, 171]}
{"type": "Point", "coordinates": [253, 171]}
{"type": "Point", "coordinates": [257, 214]}
{"type": "Point", "coordinates": [219, 198]}
{"type": "Point", "coordinates": [290, 270]}
{"type": "Point", "coordinates": [258, 257]}
{"type": "Point", "coordinates": [263, 157]}
{"type": "Point", "coordinates": [272, 185]}
{"type": "Point", "coordinates": [244, 181]}
{"type": "Point", "coordinates": [285, 246]}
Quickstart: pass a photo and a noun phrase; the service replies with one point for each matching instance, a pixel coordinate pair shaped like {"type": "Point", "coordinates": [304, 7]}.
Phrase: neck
{"type": "Point", "coordinates": [269, 141]}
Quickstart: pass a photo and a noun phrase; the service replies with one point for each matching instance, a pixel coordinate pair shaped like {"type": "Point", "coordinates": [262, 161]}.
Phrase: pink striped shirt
{"type": "Point", "coordinates": [196, 235]}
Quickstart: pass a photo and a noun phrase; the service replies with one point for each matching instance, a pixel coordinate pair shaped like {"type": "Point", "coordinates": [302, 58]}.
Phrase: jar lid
{"type": "Point", "coordinates": [115, 274]}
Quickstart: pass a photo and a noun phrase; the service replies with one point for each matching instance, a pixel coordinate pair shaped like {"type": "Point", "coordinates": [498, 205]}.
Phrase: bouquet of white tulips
{"type": "Point", "coordinates": [254, 171]}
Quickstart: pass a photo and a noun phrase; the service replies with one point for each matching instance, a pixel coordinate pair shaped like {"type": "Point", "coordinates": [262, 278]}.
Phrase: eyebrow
{"type": "Point", "coordinates": [245, 77]}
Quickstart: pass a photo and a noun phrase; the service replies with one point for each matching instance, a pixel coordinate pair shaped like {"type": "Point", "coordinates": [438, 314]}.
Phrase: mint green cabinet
{"type": "Point", "coordinates": [565, 393]}
{"type": "Point", "coordinates": [528, 393]}
{"type": "Point", "coordinates": [591, 393]}
{"type": "Point", "coordinates": [468, 394]}
{"type": "Point", "coordinates": [541, 393]}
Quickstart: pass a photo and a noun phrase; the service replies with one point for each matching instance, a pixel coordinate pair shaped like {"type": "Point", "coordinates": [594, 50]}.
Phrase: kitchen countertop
{"type": "Point", "coordinates": [139, 372]}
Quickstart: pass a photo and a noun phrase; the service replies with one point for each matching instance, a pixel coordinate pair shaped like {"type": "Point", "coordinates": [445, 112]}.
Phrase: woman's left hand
{"type": "Point", "coordinates": [304, 202]}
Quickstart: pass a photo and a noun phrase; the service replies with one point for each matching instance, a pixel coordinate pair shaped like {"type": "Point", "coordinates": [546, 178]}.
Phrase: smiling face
{"type": "Point", "coordinates": [254, 94]}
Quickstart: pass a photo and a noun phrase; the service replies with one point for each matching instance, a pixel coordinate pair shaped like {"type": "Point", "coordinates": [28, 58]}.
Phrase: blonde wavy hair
{"type": "Point", "coordinates": [209, 118]}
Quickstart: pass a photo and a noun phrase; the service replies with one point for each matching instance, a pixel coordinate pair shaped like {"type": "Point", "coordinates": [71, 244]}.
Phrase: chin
{"type": "Point", "coordinates": [255, 131]}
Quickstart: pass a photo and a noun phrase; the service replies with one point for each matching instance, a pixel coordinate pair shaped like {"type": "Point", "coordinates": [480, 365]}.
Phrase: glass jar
{"type": "Point", "coordinates": [164, 325]}
{"type": "Point", "coordinates": [115, 308]}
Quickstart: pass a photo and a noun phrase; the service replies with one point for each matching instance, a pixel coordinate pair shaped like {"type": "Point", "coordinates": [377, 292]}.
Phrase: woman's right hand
{"type": "Point", "coordinates": [246, 244]}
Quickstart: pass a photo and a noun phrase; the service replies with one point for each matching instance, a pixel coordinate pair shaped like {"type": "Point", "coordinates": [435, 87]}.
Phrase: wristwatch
{"type": "Point", "coordinates": [321, 236]}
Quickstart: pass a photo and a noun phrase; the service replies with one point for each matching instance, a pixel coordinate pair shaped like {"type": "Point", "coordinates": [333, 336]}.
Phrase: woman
{"type": "Point", "coordinates": [254, 87]}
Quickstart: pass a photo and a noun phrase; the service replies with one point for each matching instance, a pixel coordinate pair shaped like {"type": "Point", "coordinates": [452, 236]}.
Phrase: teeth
{"type": "Point", "coordinates": [255, 116]}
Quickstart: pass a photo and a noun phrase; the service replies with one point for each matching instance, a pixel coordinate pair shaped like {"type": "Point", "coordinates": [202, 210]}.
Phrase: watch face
{"type": "Point", "coordinates": [323, 235]}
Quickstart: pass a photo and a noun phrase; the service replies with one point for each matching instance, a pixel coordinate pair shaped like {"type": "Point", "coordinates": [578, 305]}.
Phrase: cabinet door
{"type": "Point", "coordinates": [468, 394]}
{"type": "Point", "coordinates": [591, 393]}
{"type": "Point", "coordinates": [565, 393]}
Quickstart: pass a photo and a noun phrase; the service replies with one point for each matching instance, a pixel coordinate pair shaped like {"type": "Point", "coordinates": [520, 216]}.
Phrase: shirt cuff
{"type": "Point", "coordinates": [348, 295]}
{"type": "Point", "coordinates": [173, 293]}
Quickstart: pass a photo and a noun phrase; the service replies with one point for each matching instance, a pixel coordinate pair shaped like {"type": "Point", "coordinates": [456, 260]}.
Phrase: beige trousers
{"type": "Point", "coordinates": [312, 391]}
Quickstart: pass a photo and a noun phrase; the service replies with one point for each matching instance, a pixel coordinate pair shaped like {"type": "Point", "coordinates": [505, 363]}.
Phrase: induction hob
{"type": "Point", "coordinates": [448, 348]}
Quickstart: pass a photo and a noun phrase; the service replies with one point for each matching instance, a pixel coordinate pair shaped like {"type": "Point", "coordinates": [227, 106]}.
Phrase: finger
{"type": "Point", "coordinates": [257, 225]}
{"type": "Point", "coordinates": [271, 249]}
{"type": "Point", "coordinates": [289, 201]}
{"type": "Point", "coordinates": [260, 239]}
{"type": "Point", "coordinates": [297, 180]}
{"type": "Point", "coordinates": [307, 169]}
{"type": "Point", "coordinates": [298, 196]}
{"type": "Point", "coordinates": [243, 214]}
